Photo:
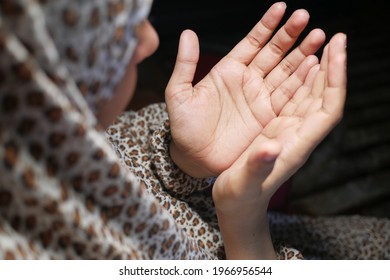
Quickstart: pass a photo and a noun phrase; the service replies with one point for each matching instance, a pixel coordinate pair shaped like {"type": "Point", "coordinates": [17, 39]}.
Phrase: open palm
{"type": "Point", "coordinates": [287, 140]}
{"type": "Point", "coordinates": [260, 90]}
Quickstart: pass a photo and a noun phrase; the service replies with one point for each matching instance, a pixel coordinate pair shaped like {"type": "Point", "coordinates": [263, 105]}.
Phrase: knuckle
{"type": "Point", "coordinates": [287, 66]}
{"type": "Point", "coordinates": [252, 39]}
{"type": "Point", "coordinates": [276, 49]}
{"type": "Point", "coordinates": [286, 91]}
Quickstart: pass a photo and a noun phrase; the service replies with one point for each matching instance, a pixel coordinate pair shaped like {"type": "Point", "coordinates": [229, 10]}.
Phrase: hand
{"type": "Point", "coordinates": [242, 192]}
{"type": "Point", "coordinates": [251, 92]}
{"type": "Point", "coordinates": [241, 197]}
{"type": "Point", "coordinates": [288, 139]}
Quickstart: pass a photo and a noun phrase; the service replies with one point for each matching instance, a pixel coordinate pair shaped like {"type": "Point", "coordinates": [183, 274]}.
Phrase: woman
{"type": "Point", "coordinates": [63, 192]}
{"type": "Point", "coordinates": [68, 68]}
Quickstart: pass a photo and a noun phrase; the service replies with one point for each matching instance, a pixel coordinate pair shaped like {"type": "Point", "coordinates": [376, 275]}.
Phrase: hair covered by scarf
{"type": "Point", "coordinates": [63, 192]}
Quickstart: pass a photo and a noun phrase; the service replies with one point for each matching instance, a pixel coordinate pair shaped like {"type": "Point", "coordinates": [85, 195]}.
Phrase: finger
{"type": "Point", "coordinates": [308, 84]}
{"type": "Point", "coordinates": [292, 61]}
{"type": "Point", "coordinates": [320, 79]}
{"type": "Point", "coordinates": [180, 83]}
{"type": "Point", "coordinates": [274, 51]}
{"type": "Point", "coordinates": [302, 94]}
{"type": "Point", "coordinates": [286, 91]}
{"type": "Point", "coordinates": [308, 104]}
{"type": "Point", "coordinates": [335, 93]}
{"type": "Point", "coordinates": [309, 81]}
{"type": "Point", "coordinates": [337, 72]}
{"type": "Point", "coordinates": [248, 47]}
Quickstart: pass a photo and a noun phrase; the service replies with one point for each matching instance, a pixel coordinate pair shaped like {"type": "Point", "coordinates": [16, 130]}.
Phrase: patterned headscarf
{"type": "Point", "coordinates": [63, 191]}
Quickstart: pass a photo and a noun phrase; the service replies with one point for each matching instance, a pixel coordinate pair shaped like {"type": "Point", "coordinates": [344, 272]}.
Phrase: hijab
{"type": "Point", "coordinates": [63, 192]}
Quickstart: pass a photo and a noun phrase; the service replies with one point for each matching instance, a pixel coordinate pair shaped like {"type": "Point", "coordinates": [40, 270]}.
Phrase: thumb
{"type": "Point", "coordinates": [187, 58]}
{"type": "Point", "coordinates": [261, 162]}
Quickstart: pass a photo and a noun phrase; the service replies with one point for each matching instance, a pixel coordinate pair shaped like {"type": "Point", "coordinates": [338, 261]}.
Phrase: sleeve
{"type": "Point", "coordinates": [141, 140]}
{"type": "Point", "coordinates": [173, 178]}
{"type": "Point", "coordinates": [285, 252]}
{"type": "Point", "coordinates": [340, 237]}
{"type": "Point", "coordinates": [149, 130]}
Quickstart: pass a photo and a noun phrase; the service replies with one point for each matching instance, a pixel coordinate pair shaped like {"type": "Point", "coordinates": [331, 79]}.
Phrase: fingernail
{"type": "Point", "coordinates": [269, 158]}
{"type": "Point", "coordinates": [280, 5]}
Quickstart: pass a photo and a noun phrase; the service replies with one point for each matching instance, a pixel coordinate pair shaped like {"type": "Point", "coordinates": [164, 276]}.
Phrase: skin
{"type": "Point", "coordinates": [245, 189]}
{"type": "Point", "coordinates": [253, 120]}
{"type": "Point", "coordinates": [244, 92]}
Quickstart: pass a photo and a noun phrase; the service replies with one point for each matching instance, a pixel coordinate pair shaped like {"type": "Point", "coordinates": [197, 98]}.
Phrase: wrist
{"type": "Point", "coordinates": [255, 211]}
{"type": "Point", "coordinates": [230, 199]}
{"type": "Point", "coordinates": [246, 236]}
{"type": "Point", "coordinates": [190, 167]}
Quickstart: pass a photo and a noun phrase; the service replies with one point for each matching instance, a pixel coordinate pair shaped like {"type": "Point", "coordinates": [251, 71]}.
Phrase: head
{"type": "Point", "coordinates": [100, 43]}
{"type": "Point", "coordinates": [61, 63]}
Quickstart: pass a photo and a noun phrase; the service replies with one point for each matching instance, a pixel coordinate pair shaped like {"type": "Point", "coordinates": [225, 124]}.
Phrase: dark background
{"type": "Point", "coordinates": [349, 173]}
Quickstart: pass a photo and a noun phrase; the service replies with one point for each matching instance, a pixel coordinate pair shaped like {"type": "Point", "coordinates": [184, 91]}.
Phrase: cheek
{"type": "Point", "coordinates": [126, 88]}
{"type": "Point", "coordinates": [121, 98]}
{"type": "Point", "coordinates": [147, 44]}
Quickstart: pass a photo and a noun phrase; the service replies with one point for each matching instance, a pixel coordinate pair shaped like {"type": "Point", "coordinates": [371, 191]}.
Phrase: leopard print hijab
{"type": "Point", "coordinates": [63, 192]}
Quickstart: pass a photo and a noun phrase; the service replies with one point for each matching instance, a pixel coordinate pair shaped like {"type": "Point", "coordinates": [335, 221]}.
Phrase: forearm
{"type": "Point", "coordinates": [246, 235]}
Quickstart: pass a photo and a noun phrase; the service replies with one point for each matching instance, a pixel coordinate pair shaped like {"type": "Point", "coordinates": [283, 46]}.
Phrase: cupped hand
{"type": "Point", "coordinates": [259, 89]}
{"type": "Point", "coordinates": [287, 140]}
